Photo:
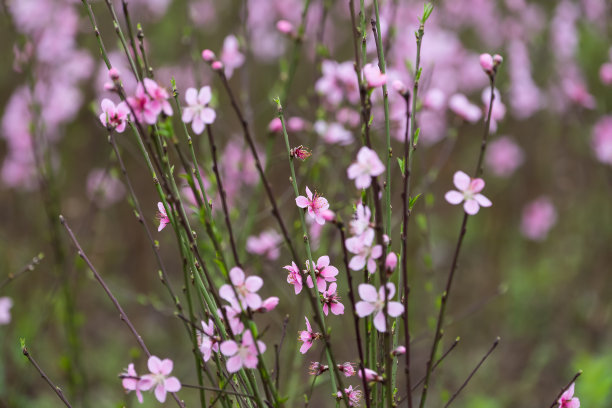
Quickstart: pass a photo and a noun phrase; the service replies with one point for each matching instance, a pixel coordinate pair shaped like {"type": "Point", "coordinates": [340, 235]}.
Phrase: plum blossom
{"type": "Point", "coordinates": [504, 156]}
{"type": "Point", "coordinates": [197, 112]}
{"type": "Point", "coordinates": [233, 316]}
{"type": "Point", "coordinates": [267, 243]}
{"type": "Point", "coordinates": [374, 303]}
{"type": "Point", "coordinates": [567, 399]}
{"type": "Point", "coordinates": [6, 303]}
{"type": "Point", "coordinates": [231, 57]}
{"type": "Point", "coordinates": [317, 368]}
{"type": "Point", "coordinates": [159, 96]}
{"type": "Point", "coordinates": [162, 216]}
{"type": "Point", "coordinates": [315, 204]}
{"type": "Point", "coordinates": [601, 140]}
{"type": "Point", "coordinates": [207, 341]}
{"type": "Point", "coordinates": [353, 395]}
{"type": "Point", "coordinates": [104, 189]}
{"type": "Point", "coordinates": [486, 62]}
{"type": "Point", "coordinates": [268, 304]}
{"type": "Point", "coordinates": [373, 77]}
{"type": "Point", "coordinates": [246, 288]}
{"type": "Point", "coordinates": [294, 277]}
{"type": "Point", "coordinates": [469, 191]}
{"type": "Point", "coordinates": [114, 117]}
{"type": "Point", "coordinates": [323, 272]}
{"type": "Point", "coordinates": [462, 107]}
{"type": "Point", "coordinates": [131, 382]}
{"type": "Point", "coordinates": [348, 369]}
{"type": "Point", "coordinates": [331, 300]}
{"type": "Point", "coordinates": [243, 354]}
{"type": "Point", "coordinates": [539, 216]}
{"type": "Point", "coordinates": [338, 81]}
{"type": "Point", "coordinates": [368, 165]}
{"type": "Point", "coordinates": [361, 220]}
{"type": "Point", "coordinates": [143, 107]}
{"type": "Point", "coordinates": [333, 133]}
{"type": "Point", "coordinates": [365, 253]}
{"type": "Point", "coordinates": [158, 378]}
{"type": "Point", "coordinates": [307, 337]}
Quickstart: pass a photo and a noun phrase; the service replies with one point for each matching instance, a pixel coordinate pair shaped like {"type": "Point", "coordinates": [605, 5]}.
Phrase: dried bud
{"type": "Point", "coordinates": [300, 152]}
{"type": "Point", "coordinates": [317, 368]}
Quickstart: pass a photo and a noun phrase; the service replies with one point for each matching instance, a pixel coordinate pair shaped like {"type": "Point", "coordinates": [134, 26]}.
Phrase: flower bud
{"type": "Point", "coordinates": [268, 304]}
{"type": "Point", "coordinates": [486, 62]}
{"type": "Point", "coordinates": [208, 55]}
{"type": "Point", "coordinates": [391, 262]}
{"type": "Point", "coordinates": [284, 26]}
{"type": "Point", "coordinates": [217, 65]}
{"type": "Point", "coordinates": [498, 59]}
{"type": "Point", "coordinates": [398, 351]}
{"type": "Point", "coordinates": [113, 74]}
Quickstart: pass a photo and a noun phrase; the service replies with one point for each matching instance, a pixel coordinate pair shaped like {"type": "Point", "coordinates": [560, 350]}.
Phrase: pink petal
{"type": "Point", "coordinates": [107, 106]}
{"type": "Point", "coordinates": [166, 366]}
{"type": "Point", "coordinates": [172, 384]}
{"type": "Point", "coordinates": [395, 309]}
{"type": "Point", "coordinates": [160, 393]}
{"type": "Point", "coordinates": [390, 291]}
{"type": "Point", "coordinates": [302, 202]}
{"type": "Point", "coordinates": [353, 171]}
{"type": "Point", "coordinates": [363, 181]}
{"type": "Point", "coordinates": [357, 262]}
{"type": "Point", "coordinates": [250, 361]}
{"type": "Point", "coordinates": [253, 283]}
{"type": "Point", "coordinates": [461, 180]}
{"type": "Point", "coordinates": [364, 309]}
{"type": "Point", "coordinates": [321, 284]}
{"type": "Point", "coordinates": [337, 308]}
{"type": "Point", "coordinates": [253, 301]}
{"type": "Point", "coordinates": [208, 115]}
{"type": "Point", "coordinates": [482, 200]}
{"type": "Point", "coordinates": [305, 347]}
{"type": "Point", "coordinates": [160, 207]}
{"type": "Point", "coordinates": [187, 115]}
{"type": "Point", "coordinates": [367, 292]}
{"type": "Point", "coordinates": [371, 265]}
{"type": "Point", "coordinates": [236, 276]}
{"type": "Point", "coordinates": [227, 293]}
{"type": "Point", "coordinates": [154, 364]}
{"type": "Point", "coordinates": [471, 207]}
{"type": "Point", "coordinates": [376, 252]}
{"type": "Point", "coordinates": [477, 185]}
{"type": "Point", "coordinates": [204, 96]}
{"type": "Point", "coordinates": [234, 364]}
{"type": "Point", "coordinates": [191, 96]}
{"type": "Point", "coordinates": [197, 125]}
{"type": "Point", "coordinates": [329, 272]}
{"type": "Point", "coordinates": [323, 261]}
{"type": "Point", "coordinates": [325, 309]}
{"type": "Point", "coordinates": [308, 324]}
{"type": "Point", "coordinates": [308, 193]}
{"type": "Point", "coordinates": [454, 197]}
{"type": "Point", "coordinates": [229, 348]}
{"type": "Point", "coordinates": [379, 322]}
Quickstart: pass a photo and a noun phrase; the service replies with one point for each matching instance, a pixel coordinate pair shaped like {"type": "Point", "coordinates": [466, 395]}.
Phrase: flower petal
{"type": "Point", "coordinates": [471, 207]}
{"type": "Point", "coordinates": [453, 197]}
{"type": "Point", "coordinates": [379, 322]}
{"type": "Point", "coordinates": [461, 180]}
{"type": "Point", "coordinates": [191, 96]}
{"type": "Point", "coordinates": [172, 384]}
{"type": "Point", "coordinates": [364, 309]}
{"type": "Point", "coordinates": [236, 276]}
{"type": "Point", "coordinates": [302, 202]}
{"type": "Point", "coordinates": [229, 348]}
{"type": "Point", "coordinates": [482, 200]}
{"type": "Point", "coordinates": [367, 292]}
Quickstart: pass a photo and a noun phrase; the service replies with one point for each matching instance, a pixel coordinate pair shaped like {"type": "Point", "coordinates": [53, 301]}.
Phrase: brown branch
{"type": "Point", "coordinates": [55, 388]}
{"type": "Point", "coordinates": [556, 401]}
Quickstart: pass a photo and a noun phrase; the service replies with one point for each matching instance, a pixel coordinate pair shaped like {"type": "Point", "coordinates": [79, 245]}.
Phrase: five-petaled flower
{"type": "Point", "coordinates": [368, 165]}
{"type": "Point", "coordinates": [294, 277]}
{"type": "Point", "coordinates": [246, 289]}
{"type": "Point", "coordinates": [131, 382]}
{"type": "Point", "coordinates": [323, 272]}
{"type": "Point", "coordinates": [114, 117]}
{"type": "Point", "coordinates": [162, 216]}
{"type": "Point", "coordinates": [307, 337]}
{"type": "Point", "coordinates": [316, 205]}
{"type": "Point", "coordinates": [243, 353]}
{"type": "Point", "coordinates": [158, 378]}
{"type": "Point", "coordinates": [469, 191]}
{"type": "Point", "coordinates": [331, 300]}
{"type": "Point", "coordinates": [374, 303]}
{"type": "Point", "coordinates": [567, 399]}
{"type": "Point", "coordinates": [365, 253]}
{"type": "Point", "coordinates": [197, 112]}
{"type": "Point", "coordinates": [353, 395]}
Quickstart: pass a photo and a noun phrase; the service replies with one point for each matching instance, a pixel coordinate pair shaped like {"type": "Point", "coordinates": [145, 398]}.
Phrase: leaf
{"type": "Point", "coordinates": [427, 10]}
{"type": "Point", "coordinates": [401, 164]}
{"type": "Point", "coordinates": [416, 137]}
{"type": "Point", "coordinates": [412, 201]}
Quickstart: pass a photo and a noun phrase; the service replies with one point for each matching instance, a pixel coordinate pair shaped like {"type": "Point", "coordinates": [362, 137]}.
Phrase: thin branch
{"type": "Point", "coordinates": [556, 401]}
{"type": "Point", "coordinates": [55, 388]}
{"type": "Point", "coordinates": [277, 350]}
{"type": "Point", "coordinates": [495, 343]}
{"type": "Point", "coordinates": [29, 267]}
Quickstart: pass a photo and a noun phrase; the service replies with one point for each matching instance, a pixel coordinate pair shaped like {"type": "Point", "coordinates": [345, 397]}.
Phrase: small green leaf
{"type": "Point", "coordinates": [416, 137]}
{"type": "Point", "coordinates": [401, 164]}
{"type": "Point", "coordinates": [427, 10]}
{"type": "Point", "coordinates": [413, 201]}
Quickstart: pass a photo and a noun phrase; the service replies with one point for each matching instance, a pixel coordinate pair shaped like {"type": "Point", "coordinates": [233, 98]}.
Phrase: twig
{"type": "Point", "coordinates": [556, 401]}
{"type": "Point", "coordinates": [57, 389]}
{"type": "Point", "coordinates": [495, 343]}
{"type": "Point", "coordinates": [277, 350]}
{"type": "Point", "coordinates": [29, 267]}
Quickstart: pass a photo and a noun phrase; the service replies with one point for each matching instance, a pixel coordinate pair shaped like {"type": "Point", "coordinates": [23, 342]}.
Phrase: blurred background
{"type": "Point", "coordinates": [534, 268]}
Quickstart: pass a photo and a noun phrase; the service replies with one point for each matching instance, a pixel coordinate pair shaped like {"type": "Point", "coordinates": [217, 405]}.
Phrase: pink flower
{"type": "Point", "coordinates": [361, 220]}
{"type": "Point", "coordinates": [469, 191]}
{"type": "Point", "coordinates": [198, 112]}
{"type": "Point", "coordinates": [331, 300]}
{"type": "Point", "coordinates": [317, 368]}
{"type": "Point", "coordinates": [373, 77]}
{"type": "Point", "coordinates": [460, 105]}
{"type": "Point", "coordinates": [284, 26]}
{"type": "Point", "coordinates": [347, 368]}
{"type": "Point", "coordinates": [231, 57]}
{"type": "Point", "coordinates": [104, 189]}
{"type": "Point", "coordinates": [208, 55]}
{"type": "Point", "coordinates": [504, 156]}
{"type": "Point", "coordinates": [267, 243]}
{"type": "Point", "coordinates": [233, 316]}
{"type": "Point", "coordinates": [486, 62]}
{"type": "Point", "coordinates": [365, 253]}
{"type": "Point", "coordinates": [368, 165]}
{"type": "Point", "coordinates": [307, 337]}
{"type": "Point", "coordinates": [245, 288]}
{"type": "Point", "coordinates": [434, 99]}
{"type": "Point", "coordinates": [605, 73]}
{"type": "Point", "coordinates": [567, 399]}
{"type": "Point", "coordinates": [323, 272]}
{"type": "Point", "coordinates": [131, 382]}
{"type": "Point", "coordinates": [159, 96]}
{"type": "Point", "coordinates": [391, 262]}
{"type": "Point", "coordinates": [162, 216]}
{"type": "Point", "coordinates": [374, 303]}
{"type": "Point", "coordinates": [243, 354]}
{"type": "Point", "coordinates": [6, 303]}
{"type": "Point", "coordinates": [370, 375]}
{"type": "Point", "coordinates": [333, 133]}
{"type": "Point", "coordinates": [601, 140]}
{"type": "Point", "coordinates": [398, 351]}
{"type": "Point", "coordinates": [353, 395]}
{"type": "Point", "coordinates": [207, 341]}
{"type": "Point", "coordinates": [114, 117]}
{"type": "Point", "coordinates": [300, 152]}
{"type": "Point", "coordinates": [315, 204]}
{"type": "Point", "coordinates": [144, 108]}
{"type": "Point", "coordinates": [294, 277]}
{"type": "Point", "coordinates": [158, 378]}
{"type": "Point", "coordinates": [539, 216]}
{"type": "Point", "coordinates": [268, 304]}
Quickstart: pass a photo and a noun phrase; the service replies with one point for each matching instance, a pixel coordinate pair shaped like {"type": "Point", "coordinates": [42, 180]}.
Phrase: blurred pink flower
{"type": "Point", "coordinates": [567, 399]}
{"type": "Point", "coordinates": [323, 272]}
{"type": "Point", "coordinates": [197, 112]}
{"type": "Point", "coordinates": [307, 337]}
{"type": "Point", "coordinates": [601, 141]}
{"type": "Point", "coordinates": [333, 133]}
{"type": "Point", "coordinates": [368, 165]}
{"type": "Point", "coordinates": [295, 277]}
{"type": "Point", "coordinates": [370, 375]}
{"type": "Point", "coordinates": [162, 216]}
{"type": "Point", "coordinates": [504, 156]}
{"type": "Point", "coordinates": [331, 300]}
{"type": "Point", "coordinates": [469, 191]}
{"type": "Point", "coordinates": [338, 82]}
{"type": "Point", "coordinates": [434, 99]}
{"type": "Point", "coordinates": [374, 303]}
{"type": "Point", "coordinates": [242, 354]}
{"type": "Point", "coordinates": [499, 109]}
{"type": "Point", "coordinates": [486, 62]}
{"type": "Point", "coordinates": [373, 77]}
{"type": "Point", "coordinates": [361, 220]}
{"type": "Point", "coordinates": [6, 303]}
{"type": "Point", "coordinates": [267, 243]}
{"type": "Point", "coordinates": [605, 73]}
{"type": "Point", "coordinates": [144, 108]}
{"type": "Point", "coordinates": [315, 204]}
{"type": "Point", "coordinates": [207, 341]}
{"type": "Point", "coordinates": [539, 216]}
{"type": "Point", "coordinates": [231, 57]}
{"type": "Point", "coordinates": [233, 313]}
{"type": "Point", "coordinates": [158, 378]}
{"type": "Point", "coordinates": [159, 96]}
{"type": "Point", "coordinates": [284, 26]}
{"type": "Point", "coordinates": [246, 288]}
{"type": "Point", "coordinates": [131, 382]}
{"type": "Point", "coordinates": [268, 304]}
{"type": "Point", "coordinates": [459, 104]}
{"type": "Point", "coordinates": [114, 117]}
{"type": "Point", "coordinates": [365, 253]}
{"type": "Point", "coordinates": [104, 189]}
